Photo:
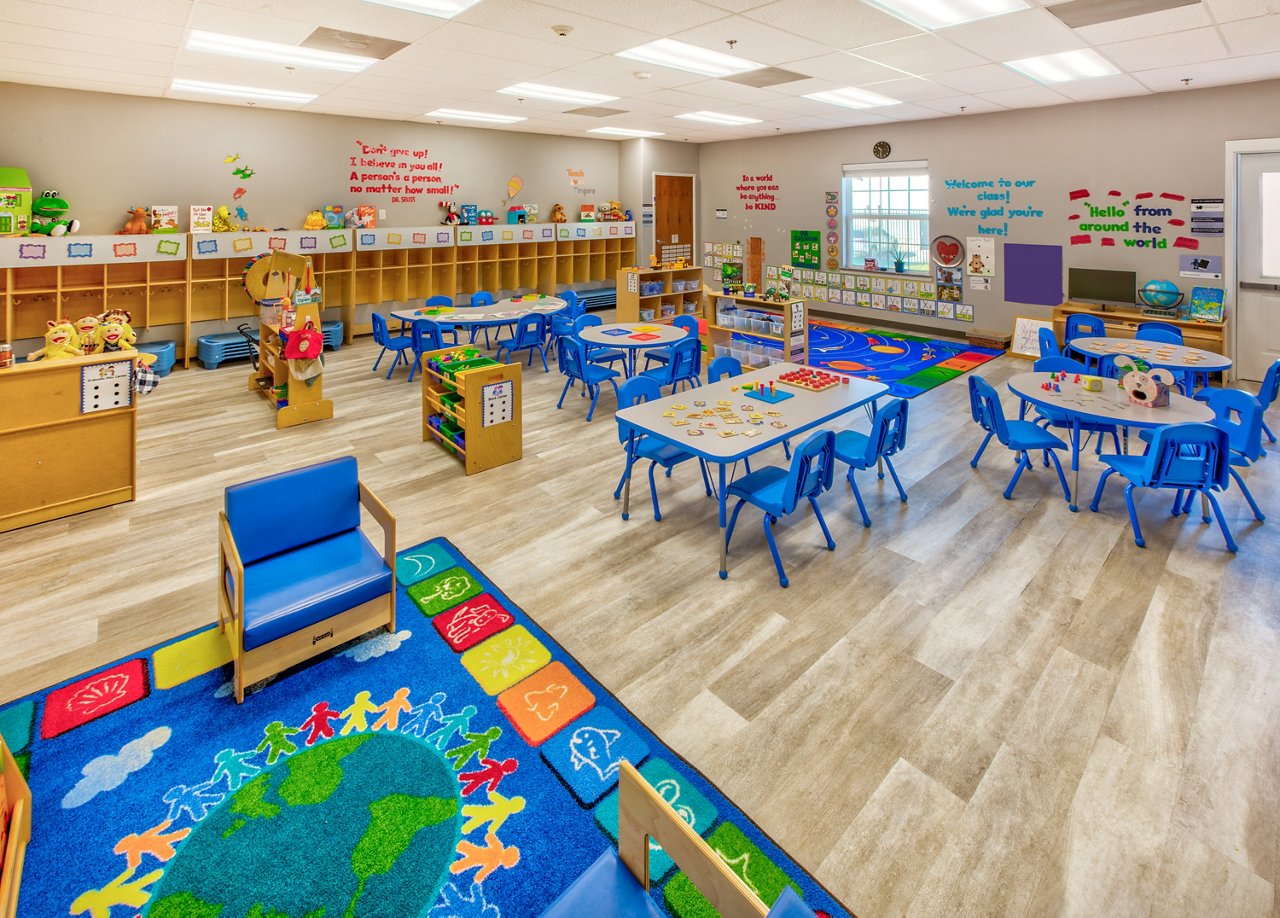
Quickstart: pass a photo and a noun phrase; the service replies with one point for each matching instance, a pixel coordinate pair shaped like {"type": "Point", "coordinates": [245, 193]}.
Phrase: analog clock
{"type": "Point", "coordinates": [881, 149]}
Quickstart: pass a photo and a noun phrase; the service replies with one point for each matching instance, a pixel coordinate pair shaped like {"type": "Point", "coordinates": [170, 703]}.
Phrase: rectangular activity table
{"type": "Point", "coordinates": [805, 411]}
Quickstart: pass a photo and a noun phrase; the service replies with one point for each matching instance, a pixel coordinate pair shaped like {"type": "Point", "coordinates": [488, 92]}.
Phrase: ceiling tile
{"type": "Point", "coordinates": [972, 105]}
{"type": "Point", "coordinates": [142, 32]}
{"type": "Point", "coordinates": [834, 22]}
{"type": "Point", "coordinates": [478, 42]}
{"type": "Point", "coordinates": [1030, 97]}
{"type": "Point", "coordinates": [754, 41]}
{"type": "Point", "coordinates": [1253, 36]}
{"type": "Point", "coordinates": [909, 89]}
{"type": "Point", "coordinates": [670, 15]}
{"type": "Point", "coordinates": [346, 15]}
{"type": "Point", "coordinates": [984, 78]}
{"type": "Point", "coordinates": [843, 69]}
{"type": "Point", "coordinates": [713, 91]}
{"type": "Point", "coordinates": [1185, 47]}
{"type": "Point", "coordinates": [920, 54]}
{"type": "Point", "coordinates": [169, 12]}
{"type": "Point", "coordinates": [534, 20]}
{"type": "Point", "coordinates": [1178, 19]}
{"type": "Point", "coordinates": [1108, 87]}
{"type": "Point", "coordinates": [1025, 34]}
{"type": "Point", "coordinates": [1228, 10]}
{"type": "Point", "coordinates": [1212, 73]}
{"type": "Point", "coordinates": [111, 56]}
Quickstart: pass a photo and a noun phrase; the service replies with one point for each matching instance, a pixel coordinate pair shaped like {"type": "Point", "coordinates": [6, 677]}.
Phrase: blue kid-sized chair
{"type": "Point", "coordinates": [446, 328]}
{"type": "Point", "coordinates": [681, 366]}
{"type": "Point", "coordinates": [398, 344]}
{"type": "Point", "coordinates": [577, 367]}
{"type": "Point", "coordinates": [426, 336]}
{"type": "Point", "coordinates": [1267, 394]}
{"type": "Point", "coordinates": [1182, 457]}
{"type": "Point", "coordinates": [1049, 343]}
{"type": "Point", "coordinates": [529, 336]}
{"type": "Point", "coordinates": [663, 354]}
{"type": "Point", "coordinates": [481, 298]}
{"type": "Point", "coordinates": [616, 884]}
{"type": "Point", "coordinates": [778, 491]}
{"type": "Point", "coordinates": [297, 576]}
{"type": "Point", "coordinates": [1237, 414]}
{"type": "Point", "coordinates": [1164, 332]}
{"type": "Point", "coordinates": [722, 367]}
{"type": "Point", "coordinates": [1020, 436]}
{"type": "Point", "coordinates": [862, 451]}
{"type": "Point", "coordinates": [596, 353]}
{"type": "Point", "coordinates": [1081, 325]}
{"type": "Point", "coordinates": [632, 392]}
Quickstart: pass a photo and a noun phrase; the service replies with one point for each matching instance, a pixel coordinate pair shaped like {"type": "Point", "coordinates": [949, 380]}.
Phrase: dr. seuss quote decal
{"type": "Point", "coordinates": [1143, 221]}
{"type": "Point", "coordinates": [995, 204]}
{"type": "Point", "coordinates": [401, 172]}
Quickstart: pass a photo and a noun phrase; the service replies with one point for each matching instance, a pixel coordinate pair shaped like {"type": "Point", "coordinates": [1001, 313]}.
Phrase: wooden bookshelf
{"type": "Point", "coordinates": [1123, 323]}
{"type": "Point", "coordinates": [793, 335]}
{"type": "Point", "coordinates": [678, 287]}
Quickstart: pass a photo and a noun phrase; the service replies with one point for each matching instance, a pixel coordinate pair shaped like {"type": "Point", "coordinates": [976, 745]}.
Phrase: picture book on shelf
{"type": "Point", "coordinates": [1206, 304]}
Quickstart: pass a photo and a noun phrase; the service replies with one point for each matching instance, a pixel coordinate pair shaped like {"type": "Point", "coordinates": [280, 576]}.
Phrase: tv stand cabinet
{"type": "Point", "coordinates": [1123, 323]}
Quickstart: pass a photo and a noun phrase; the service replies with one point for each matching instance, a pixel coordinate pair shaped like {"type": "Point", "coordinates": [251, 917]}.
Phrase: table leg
{"type": "Point", "coordinates": [724, 545]}
{"type": "Point", "coordinates": [626, 487]}
{"type": "Point", "coordinates": [1075, 462]}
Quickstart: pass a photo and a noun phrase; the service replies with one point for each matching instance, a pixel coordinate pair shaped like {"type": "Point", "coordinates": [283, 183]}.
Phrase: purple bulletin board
{"type": "Point", "coordinates": [1033, 274]}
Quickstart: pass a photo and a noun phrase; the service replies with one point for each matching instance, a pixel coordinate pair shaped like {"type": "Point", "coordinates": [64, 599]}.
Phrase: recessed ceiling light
{"type": "Point", "coordinates": [624, 132]}
{"type": "Point", "coordinates": [717, 118]}
{"type": "Point", "coordinates": [666, 52]}
{"type": "Point", "coordinates": [556, 94]}
{"type": "Point", "coordinates": [292, 55]}
{"type": "Point", "coordinates": [938, 14]}
{"type": "Point", "coordinates": [445, 9]}
{"type": "Point", "coordinates": [457, 114]}
{"type": "Point", "coordinates": [852, 98]}
{"type": "Point", "coordinates": [1082, 64]}
{"type": "Point", "coordinates": [241, 92]}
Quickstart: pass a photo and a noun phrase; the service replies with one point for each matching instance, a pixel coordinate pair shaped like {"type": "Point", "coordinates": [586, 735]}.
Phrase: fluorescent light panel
{"type": "Point", "coordinates": [444, 9]}
{"type": "Point", "coordinates": [255, 93]}
{"type": "Point", "coordinates": [852, 98]}
{"type": "Point", "coordinates": [938, 14]}
{"type": "Point", "coordinates": [556, 94]}
{"type": "Point", "coordinates": [457, 114]}
{"type": "Point", "coordinates": [717, 118]}
{"type": "Point", "coordinates": [1083, 64]}
{"type": "Point", "coordinates": [291, 55]}
{"type": "Point", "coordinates": [624, 132]}
{"type": "Point", "coordinates": [666, 52]}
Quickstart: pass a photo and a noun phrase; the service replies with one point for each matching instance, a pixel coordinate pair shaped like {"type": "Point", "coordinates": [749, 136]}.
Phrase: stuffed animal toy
{"type": "Point", "coordinates": [1148, 389]}
{"type": "Point", "coordinates": [614, 213]}
{"type": "Point", "coordinates": [558, 215]}
{"type": "Point", "coordinates": [116, 334]}
{"type": "Point", "coordinates": [222, 220]}
{"type": "Point", "coordinates": [314, 221]}
{"type": "Point", "coordinates": [451, 217]}
{"type": "Point", "coordinates": [85, 327]}
{"type": "Point", "coordinates": [60, 341]}
{"type": "Point", "coordinates": [50, 216]}
{"type": "Point", "coordinates": [364, 216]}
{"type": "Point", "coordinates": [137, 224]}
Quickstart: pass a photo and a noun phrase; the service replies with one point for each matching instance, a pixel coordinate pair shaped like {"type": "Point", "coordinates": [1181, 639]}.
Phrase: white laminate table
{"type": "Point", "coordinates": [632, 337]}
{"type": "Point", "coordinates": [803, 412]}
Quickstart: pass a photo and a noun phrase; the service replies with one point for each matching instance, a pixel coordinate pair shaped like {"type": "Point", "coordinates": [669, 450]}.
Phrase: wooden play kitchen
{"type": "Point", "coordinates": [292, 382]}
{"type": "Point", "coordinates": [471, 407]}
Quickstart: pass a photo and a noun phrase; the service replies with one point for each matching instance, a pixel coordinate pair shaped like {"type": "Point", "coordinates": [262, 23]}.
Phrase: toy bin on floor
{"type": "Point", "coordinates": [166, 352]}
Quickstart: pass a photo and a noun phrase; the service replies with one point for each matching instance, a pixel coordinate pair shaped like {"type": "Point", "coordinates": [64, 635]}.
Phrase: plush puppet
{"type": "Point", "coordinates": [85, 326]}
{"type": "Point", "coordinates": [50, 216]}
{"type": "Point", "coordinates": [116, 334]}
{"type": "Point", "coordinates": [60, 341]}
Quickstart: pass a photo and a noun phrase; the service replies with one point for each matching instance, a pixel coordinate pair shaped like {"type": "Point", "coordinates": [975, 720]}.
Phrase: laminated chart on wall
{"type": "Point", "coordinates": [497, 403]}
{"type": "Point", "coordinates": [104, 386]}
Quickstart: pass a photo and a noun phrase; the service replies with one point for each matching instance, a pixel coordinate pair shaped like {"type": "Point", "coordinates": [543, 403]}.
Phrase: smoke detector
{"type": "Point", "coordinates": [562, 30]}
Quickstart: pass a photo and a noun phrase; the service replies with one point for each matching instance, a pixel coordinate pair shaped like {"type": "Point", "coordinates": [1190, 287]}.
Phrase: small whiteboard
{"type": "Point", "coordinates": [1026, 337]}
{"type": "Point", "coordinates": [499, 403]}
{"type": "Point", "coordinates": [104, 386]}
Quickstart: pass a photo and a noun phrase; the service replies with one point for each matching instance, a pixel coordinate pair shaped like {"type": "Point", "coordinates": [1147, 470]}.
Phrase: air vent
{"type": "Point", "coordinates": [1079, 13]}
{"type": "Point", "coordinates": [595, 111]}
{"type": "Point", "coordinates": [353, 43]}
{"type": "Point", "coordinates": [766, 76]}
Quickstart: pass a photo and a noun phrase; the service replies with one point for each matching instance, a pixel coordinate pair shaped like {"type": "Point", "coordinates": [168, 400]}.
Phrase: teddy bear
{"type": "Point", "coordinates": [558, 215]}
{"type": "Point", "coordinates": [60, 341]}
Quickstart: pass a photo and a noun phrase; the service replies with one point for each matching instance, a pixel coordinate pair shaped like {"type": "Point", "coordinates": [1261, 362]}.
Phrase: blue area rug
{"type": "Point", "coordinates": [463, 767]}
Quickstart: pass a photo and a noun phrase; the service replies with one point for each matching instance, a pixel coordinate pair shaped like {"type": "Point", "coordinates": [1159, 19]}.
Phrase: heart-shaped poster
{"type": "Point", "coordinates": [947, 251]}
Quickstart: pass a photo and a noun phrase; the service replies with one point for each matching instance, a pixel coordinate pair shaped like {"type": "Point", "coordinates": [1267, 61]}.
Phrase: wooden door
{"type": "Point", "coordinates": [673, 217]}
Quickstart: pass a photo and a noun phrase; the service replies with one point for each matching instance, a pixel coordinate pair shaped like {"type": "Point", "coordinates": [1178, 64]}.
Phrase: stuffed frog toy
{"type": "Point", "coordinates": [49, 216]}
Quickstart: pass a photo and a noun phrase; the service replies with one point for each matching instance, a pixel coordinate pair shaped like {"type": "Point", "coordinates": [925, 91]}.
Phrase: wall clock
{"type": "Point", "coordinates": [882, 149]}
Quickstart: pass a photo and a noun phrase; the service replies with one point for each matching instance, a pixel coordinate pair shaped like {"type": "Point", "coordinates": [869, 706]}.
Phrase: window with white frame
{"type": "Point", "coordinates": [885, 209]}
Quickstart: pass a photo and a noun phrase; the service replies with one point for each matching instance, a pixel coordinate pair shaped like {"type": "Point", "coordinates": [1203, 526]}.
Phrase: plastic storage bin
{"type": "Point", "coordinates": [759, 325]}
{"type": "Point", "coordinates": [689, 307]}
{"type": "Point", "coordinates": [650, 288]}
{"type": "Point", "coordinates": [724, 319]}
{"type": "Point", "coordinates": [775, 326]}
{"type": "Point", "coordinates": [646, 315]}
{"type": "Point", "coordinates": [668, 310]}
{"type": "Point", "coordinates": [723, 350]}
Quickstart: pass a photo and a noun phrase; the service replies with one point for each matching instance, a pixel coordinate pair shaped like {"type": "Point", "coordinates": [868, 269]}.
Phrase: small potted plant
{"type": "Point", "coordinates": [899, 260]}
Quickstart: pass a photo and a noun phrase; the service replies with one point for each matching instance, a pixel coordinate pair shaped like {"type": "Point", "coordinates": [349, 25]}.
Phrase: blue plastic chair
{"type": "Point", "coordinates": [681, 368]}
{"type": "Point", "coordinates": [863, 451]}
{"type": "Point", "coordinates": [632, 392]}
{"type": "Point", "coordinates": [1182, 457]}
{"type": "Point", "coordinates": [1049, 343]}
{"type": "Point", "coordinates": [778, 491]}
{"type": "Point", "coordinates": [577, 367]}
{"type": "Point", "coordinates": [480, 298]}
{"type": "Point", "coordinates": [663, 354]}
{"type": "Point", "coordinates": [1020, 436]}
{"type": "Point", "coordinates": [397, 344]}
{"type": "Point", "coordinates": [1267, 394]}
{"type": "Point", "coordinates": [528, 336]}
{"type": "Point", "coordinates": [722, 367]}
{"type": "Point", "coordinates": [425, 336]}
{"type": "Point", "coordinates": [446, 328]}
{"type": "Point", "coordinates": [1080, 325]}
{"type": "Point", "coordinates": [1237, 414]}
{"type": "Point", "coordinates": [1164, 332]}
{"type": "Point", "coordinates": [597, 353]}
{"type": "Point", "coordinates": [1060, 419]}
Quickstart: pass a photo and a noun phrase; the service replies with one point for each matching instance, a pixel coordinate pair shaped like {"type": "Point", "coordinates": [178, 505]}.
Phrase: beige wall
{"type": "Point", "coordinates": [1169, 142]}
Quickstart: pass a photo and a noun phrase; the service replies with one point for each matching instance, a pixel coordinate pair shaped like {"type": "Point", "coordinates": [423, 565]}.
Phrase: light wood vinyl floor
{"type": "Point", "coordinates": [975, 707]}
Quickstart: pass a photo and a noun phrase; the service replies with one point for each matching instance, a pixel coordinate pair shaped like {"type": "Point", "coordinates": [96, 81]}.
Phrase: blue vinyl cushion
{"type": "Point", "coordinates": [281, 512]}
{"type": "Point", "coordinates": [290, 592]}
{"type": "Point", "coordinates": [606, 889]}
{"type": "Point", "coordinates": [765, 487]}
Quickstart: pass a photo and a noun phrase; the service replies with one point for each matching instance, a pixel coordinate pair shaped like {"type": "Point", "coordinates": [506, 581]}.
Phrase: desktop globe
{"type": "Point", "coordinates": [1160, 294]}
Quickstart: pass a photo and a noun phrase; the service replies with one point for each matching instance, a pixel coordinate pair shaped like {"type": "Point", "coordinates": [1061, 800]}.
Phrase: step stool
{"type": "Point", "coordinates": [212, 350]}
{"type": "Point", "coordinates": [166, 352]}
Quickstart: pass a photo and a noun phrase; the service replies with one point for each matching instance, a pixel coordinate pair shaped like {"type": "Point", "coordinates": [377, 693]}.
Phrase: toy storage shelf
{"type": "Point", "coordinates": [64, 454]}
{"type": "Point", "coordinates": [678, 287]}
{"type": "Point", "coordinates": [479, 405]}
{"type": "Point", "coordinates": [1123, 323]}
{"type": "Point", "coordinates": [794, 314]}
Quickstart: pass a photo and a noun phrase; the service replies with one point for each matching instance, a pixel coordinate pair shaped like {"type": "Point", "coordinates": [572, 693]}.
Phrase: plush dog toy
{"type": "Point", "coordinates": [60, 341]}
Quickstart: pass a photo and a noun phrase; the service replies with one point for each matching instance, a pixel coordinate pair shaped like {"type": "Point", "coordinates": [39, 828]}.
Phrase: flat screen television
{"type": "Point", "coordinates": [1107, 288]}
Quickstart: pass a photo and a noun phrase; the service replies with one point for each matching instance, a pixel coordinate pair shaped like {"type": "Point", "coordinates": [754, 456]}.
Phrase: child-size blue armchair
{"type": "Point", "coordinates": [296, 574]}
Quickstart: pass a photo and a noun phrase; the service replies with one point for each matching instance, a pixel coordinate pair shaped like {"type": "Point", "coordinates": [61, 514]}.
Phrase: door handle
{"type": "Point", "coordinates": [1250, 285]}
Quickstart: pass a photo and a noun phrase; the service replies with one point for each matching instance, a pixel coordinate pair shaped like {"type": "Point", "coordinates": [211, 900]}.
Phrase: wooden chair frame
{"type": "Point", "coordinates": [644, 814]}
{"type": "Point", "coordinates": [19, 796]}
{"type": "Point", "coordinates": [283, 652]}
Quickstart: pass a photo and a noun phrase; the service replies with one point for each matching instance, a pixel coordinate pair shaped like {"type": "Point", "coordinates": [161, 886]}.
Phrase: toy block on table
{"type": "Point", "coordinates": [772, 397]}
{"type": "Point", "coordinates": [811, 379]}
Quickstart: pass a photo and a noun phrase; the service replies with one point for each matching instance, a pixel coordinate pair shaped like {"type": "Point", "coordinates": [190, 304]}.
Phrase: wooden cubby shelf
{"type": "Point", "coordinates": [478, 404]}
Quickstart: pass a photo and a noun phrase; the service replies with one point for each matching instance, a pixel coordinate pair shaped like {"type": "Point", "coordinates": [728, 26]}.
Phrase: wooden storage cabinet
{"type": "Point", "coordinates": [479, 404]}
{"type": "Point", "coordinates": [793, 336]}
{"type": "Point", "coordinates": [669, 289]}
{"type": "Point", "coordinates": [1123, 323]}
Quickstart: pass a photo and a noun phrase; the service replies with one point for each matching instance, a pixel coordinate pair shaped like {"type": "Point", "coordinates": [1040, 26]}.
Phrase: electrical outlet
{"type": "Point", "coordinates": [382, 215]}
